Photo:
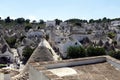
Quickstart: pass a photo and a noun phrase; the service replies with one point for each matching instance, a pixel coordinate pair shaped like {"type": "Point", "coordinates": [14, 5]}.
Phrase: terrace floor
{"type": "Point", "coordinates": [99, 71]}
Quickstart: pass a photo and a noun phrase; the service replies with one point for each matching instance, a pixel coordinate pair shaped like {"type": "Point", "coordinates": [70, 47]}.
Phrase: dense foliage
{"type": "Point", "coordinates": [75, 21]}
{"type": "Point", "coordinates": [27, 52]}
{"type": "Point", "coordinates": [115, 54]}
{"type": "Point", "coordinates": [95, 51]}
{"type": "Point", "coordinates": [111, 35]}
{"type": "Point", "coordinates": [57, 21]}
{"type": "Point", "coordinates": [75, 52]}
{"type": "Point", "coordinates": [78, 51]}
{"type": "Point", "coordinates": [28, 27]}
{"type": "Point", "coordinates": [21, 20]}
{"type": "Point", "coordinates": [11, 41]}
{"type": "Point", "coordinates": [47, 37]}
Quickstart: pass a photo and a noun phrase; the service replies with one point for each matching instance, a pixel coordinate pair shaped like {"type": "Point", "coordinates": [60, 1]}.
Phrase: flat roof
{"type": "Point", "coordinates": [99, 71]}
{"type": "Point", "coordinates": [91, 68]}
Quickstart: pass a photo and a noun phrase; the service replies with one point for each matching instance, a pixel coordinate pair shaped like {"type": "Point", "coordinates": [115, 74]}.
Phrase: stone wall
{"type": "Point", "coordinates": [114, 62]}
{"type": "Point", "coordinates": [4, 76]}
{"type": "Point", "coordinates": [1, 76]}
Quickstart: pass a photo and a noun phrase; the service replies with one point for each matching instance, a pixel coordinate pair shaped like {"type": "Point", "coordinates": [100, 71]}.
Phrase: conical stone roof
{"type": "Point", "coordinates": [41, 53]}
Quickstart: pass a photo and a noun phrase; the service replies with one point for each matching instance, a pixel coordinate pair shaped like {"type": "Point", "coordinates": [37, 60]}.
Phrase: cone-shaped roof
{"type": "Point", "coordinates": [41, 53]}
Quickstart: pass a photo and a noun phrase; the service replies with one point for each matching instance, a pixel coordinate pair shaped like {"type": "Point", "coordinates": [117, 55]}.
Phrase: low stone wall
{"type": "Point", "coordinates": [4, 76]}
{"type": "Point", "coordinates": [77, 63]}
{"type": "Point", "coordinates": [1, 76]}
{"type": "Point", "coordinates": [114, 62]}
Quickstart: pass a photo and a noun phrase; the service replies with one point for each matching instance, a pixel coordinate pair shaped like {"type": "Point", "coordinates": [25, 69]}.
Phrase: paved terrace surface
{"type": "Point", "coordinates": [79, 69]}
{"type": "Point", "coordinates": [99, 71]}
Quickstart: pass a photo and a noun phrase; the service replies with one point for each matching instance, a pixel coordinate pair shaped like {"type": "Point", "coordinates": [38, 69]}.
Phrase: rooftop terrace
{"type": "Point", "coordinates": [91, 68]}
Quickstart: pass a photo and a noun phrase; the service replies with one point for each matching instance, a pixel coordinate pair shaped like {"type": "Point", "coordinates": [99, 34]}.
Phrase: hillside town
{"type": "Point", "coordinates": [30, 48]}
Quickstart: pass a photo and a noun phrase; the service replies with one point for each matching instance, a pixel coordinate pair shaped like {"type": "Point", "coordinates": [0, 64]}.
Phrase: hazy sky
{"type": "Point", "coordinates": [61, 9]}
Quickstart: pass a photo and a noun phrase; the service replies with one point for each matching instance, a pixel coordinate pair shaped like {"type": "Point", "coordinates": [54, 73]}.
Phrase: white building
{"type": "Point", "coordinates": [78, 29]}
{"type": "Point", "coordinates": [34, 33]}
{"type": "Point", "coordinates": [50, 23]}
{"type": "Point", "coordinates": [63, 24]}
{"type": "Point", "coordinates": [115, 23]}
{"type": "Point", "coordinates": [7, 55]}
{"type": "Point", "coordinates": [80, 37]}
{"type": "Point", "coordinates": [65, 44]}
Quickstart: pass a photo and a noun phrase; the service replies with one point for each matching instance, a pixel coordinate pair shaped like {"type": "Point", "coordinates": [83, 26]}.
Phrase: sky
{"type": "Point", "coordinates": [61, 9]}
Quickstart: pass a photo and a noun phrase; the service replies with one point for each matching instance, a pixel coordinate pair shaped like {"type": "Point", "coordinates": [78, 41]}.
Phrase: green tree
{"type": "Point", "coordinates": [20, 20]}
{"type": "Point", "coordinates": [104, 19]}
{"type": "Point", "coordinates": [47, 37]}
{"type": "Point", "coordinates": [111, 35]}
{"type": "Point", "coordinates": [76, 52]}
{"type": "Point", "coordinates": [116, 55]}
{"type": "Point", "coordinates": [11, 41]}
{"type": "Point", "coordinates": [111, 53]}
{"type": "Point", "coordinates": [78, 24]}
{"type": "Point", "coordinates": [28, 27]}
{"type": "Point", "coordinates": [34, 21]}
{"type": "Point", "coordinates": [115, 43]}
{"type": "Point", "coordinates": [27, 52]}
{"type": "Point", "coordinates": [91, 21]}
{"type": "Point", "coordinates": [57, 21]}
{"type": "Point", "coordinates": [73, 21]}
{"type": "Point", "coordinates": [8, 20]}
{"type": "Point", "coordinates": [41, 21]}
{"type": "Point", "coordinates": [27, 21]}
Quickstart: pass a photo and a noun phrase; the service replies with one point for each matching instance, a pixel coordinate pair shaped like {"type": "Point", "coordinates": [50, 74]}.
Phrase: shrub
{"type": "Point", "coordinates": [11, 41]}
{"type": "Point", "coordinates": [27, 28]}
{"type": "Point", "coordinates": [116, 55]}
{"type": "Point", "coordinates": [2, 65]}
{"type": "Point", "coordinates": [114, 42]}
{"type": "Point", "coordinates": [111, 35]}
{"type": "Point", "coordinates": [27, 52]}
{"type": "Point", "coordinates": [47, 37]}
{"type": "Point", "coordinates": [111, 53]}
{"type": "Point", "coordinates": [22, 37]}
{"type": "Point", "coordinates": [75, 52]}
{"type": "Point", "coordinates": [95, 51]}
